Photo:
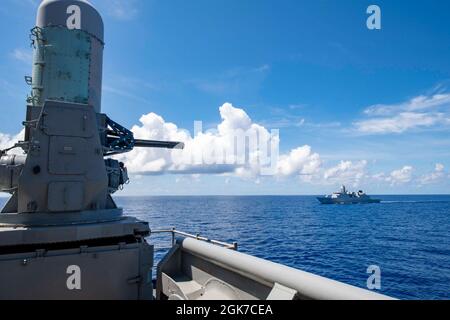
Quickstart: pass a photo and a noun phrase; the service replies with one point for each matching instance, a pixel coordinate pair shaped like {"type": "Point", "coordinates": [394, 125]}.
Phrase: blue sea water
{"type": "Point", "coordinates": [408, 237]}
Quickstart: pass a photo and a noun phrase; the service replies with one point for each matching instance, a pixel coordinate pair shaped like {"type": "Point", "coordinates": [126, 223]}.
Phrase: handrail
{"type": "Point", "coordinates": [175, 232]}
{"type": "Point", "coordinates": [308, 285]}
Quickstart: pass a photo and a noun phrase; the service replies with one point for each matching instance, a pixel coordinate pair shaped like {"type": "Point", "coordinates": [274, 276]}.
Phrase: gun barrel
{"type": "Point", "coordinates": [158, 144]}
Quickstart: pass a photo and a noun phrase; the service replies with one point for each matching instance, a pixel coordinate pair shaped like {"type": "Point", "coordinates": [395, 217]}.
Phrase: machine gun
{"type": "Point", "coordinates": [119, 140]}
{"type": "Point", "coordinates": [61, 144]}
{"type": "Point", "coordinates": [69, 142]}
{"type": "Point", "coordinates": [61, 211]}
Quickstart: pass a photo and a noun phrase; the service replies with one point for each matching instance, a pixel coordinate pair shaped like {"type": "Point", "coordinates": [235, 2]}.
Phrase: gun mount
{"type": "Point", "coordinates": [62, 185]}
{"type": "Point", "coordinates": [67, 137]}
{"type": "Point", "coordinates": [120, 140]}
{"type": "Point", "coordinates": [67, 141]}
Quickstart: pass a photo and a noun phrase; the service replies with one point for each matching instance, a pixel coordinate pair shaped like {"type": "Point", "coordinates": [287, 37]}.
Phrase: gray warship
{"type": "Point", "coordinates": [62, 236]}
{"type": "Point", "coordinates": [346, 197]}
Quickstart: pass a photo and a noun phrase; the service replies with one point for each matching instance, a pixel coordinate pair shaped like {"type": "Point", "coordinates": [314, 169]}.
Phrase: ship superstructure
{"type": "Point", "coordinates": [345, 197]}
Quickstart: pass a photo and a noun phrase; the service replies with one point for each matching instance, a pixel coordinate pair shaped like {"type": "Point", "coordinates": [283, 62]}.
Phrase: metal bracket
{"type": "Point", "coordinates": [119, 139]}
{"type": "Point", "coordinates": [29, 80]}
{"type": "Point", "coordinates": [35, 36]}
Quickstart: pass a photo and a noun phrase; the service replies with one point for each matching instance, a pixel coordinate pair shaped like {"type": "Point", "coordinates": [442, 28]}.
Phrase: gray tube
{"type": "Point", "coordinates": [55, 13]}
{"type": "Point", "coordinates": [308, 285]}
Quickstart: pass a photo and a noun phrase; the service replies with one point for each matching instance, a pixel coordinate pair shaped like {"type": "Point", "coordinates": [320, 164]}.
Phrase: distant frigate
{"type": "Point", "coordinates": [346, 197]}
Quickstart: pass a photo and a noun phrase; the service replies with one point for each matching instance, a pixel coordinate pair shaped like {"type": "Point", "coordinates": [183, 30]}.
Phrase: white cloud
{"type": "Point", "coordinates": [347, 172]}
{"type": "Point", "coordinates": [421, 102]}
{"type": "Point", "coordinates": [435, 176]}
{"type": "Point", "coordinates": [401, 176]}
{"type": "Point", "coordinates": [424, 111]}
{"type": "Point", "coordinates": [299, 161]}
{"type": "Point", "coordinates": [7, 141]}
{"type": "Point", "coordinates": [153, 127]}
{"type": "Point", "coordinates": [401, 122]}
{"type": "Point", "coordinates": [204, 153]}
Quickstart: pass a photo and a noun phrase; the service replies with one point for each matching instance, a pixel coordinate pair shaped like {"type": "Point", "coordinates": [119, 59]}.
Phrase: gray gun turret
{"type": "Point", "coordinates": [61, 214]}
{"type": "Point", "coordinates": [67, 137]}
{"type": "Point", "coordinates": [67, 141]}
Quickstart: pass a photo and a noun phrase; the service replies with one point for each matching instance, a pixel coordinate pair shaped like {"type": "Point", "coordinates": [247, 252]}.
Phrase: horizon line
{"type": "Point", "coordinates": [269, 195]}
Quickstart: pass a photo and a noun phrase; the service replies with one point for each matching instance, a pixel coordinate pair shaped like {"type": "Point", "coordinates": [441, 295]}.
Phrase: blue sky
{"type": "Point", "coordinates": [373, 105]}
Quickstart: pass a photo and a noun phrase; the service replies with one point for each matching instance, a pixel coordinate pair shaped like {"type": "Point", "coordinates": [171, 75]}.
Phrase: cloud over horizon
{"type": "Point", "coordinates": [347, 172]}
{"type": "Point", "coordinates": [421, 112]}
{"type": "Point", "coordinates": [433, 177]}
{"type": "Point", "coordinates": [219, 152]}
{"type": "Point", "coordinates": [233, 147]}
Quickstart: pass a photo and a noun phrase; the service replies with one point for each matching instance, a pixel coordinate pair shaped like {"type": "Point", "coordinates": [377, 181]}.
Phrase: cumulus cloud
{"type": "Point", "coordinates": [7, 141]}
{"type": "Point", "coordinates": [437, 175]}
{"type": "Point", "coordinates": [347, 172]}
{"type": "Point", "coordinates": [299, 161]}
{"type": "Point", "coordinates": [153, 127]}
{"type": "Point", "coordinates": [423, 111]}
{"type": "Point", "coordinates": [237, 146]}
{"type": "Point", "coordinates": [401, 176]}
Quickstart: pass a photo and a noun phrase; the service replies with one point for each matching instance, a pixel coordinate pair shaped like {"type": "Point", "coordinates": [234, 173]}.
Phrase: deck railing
{"type": "Point", "coordinates": [174, 232]}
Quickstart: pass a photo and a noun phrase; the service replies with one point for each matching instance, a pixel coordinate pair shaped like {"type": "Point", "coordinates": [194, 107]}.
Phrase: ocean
{"type": "Point", "coordinates": [408, 237]}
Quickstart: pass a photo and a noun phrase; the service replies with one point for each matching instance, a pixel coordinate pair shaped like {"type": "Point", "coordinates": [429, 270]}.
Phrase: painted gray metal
{"type": "Point", "coordinates": [55, 13]}
{"type": "Point", "coordinates": [64, 170]}
{"type": "Point", "coordinates": [346, 197]}
{"type": "Point", "coordinates": [54, 219]}
{"type": "Point", "coordinates": [196, 262]}
{"type": "Point", "coordinates": [115, 272]}
{"type": "Point", "coordinates": [68, 62]}
{"type": "Point", "coordinates": [61, 213]}
{"type": "Point", "coordinates": [21, 235]}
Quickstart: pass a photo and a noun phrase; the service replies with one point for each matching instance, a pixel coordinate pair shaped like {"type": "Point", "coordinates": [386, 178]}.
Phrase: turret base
{"type": "Point", "coordinates": [109, 260]}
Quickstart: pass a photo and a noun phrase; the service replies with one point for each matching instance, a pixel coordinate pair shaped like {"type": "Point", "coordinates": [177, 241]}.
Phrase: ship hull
{"type": "Point", "coordinates": [324, 200]}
